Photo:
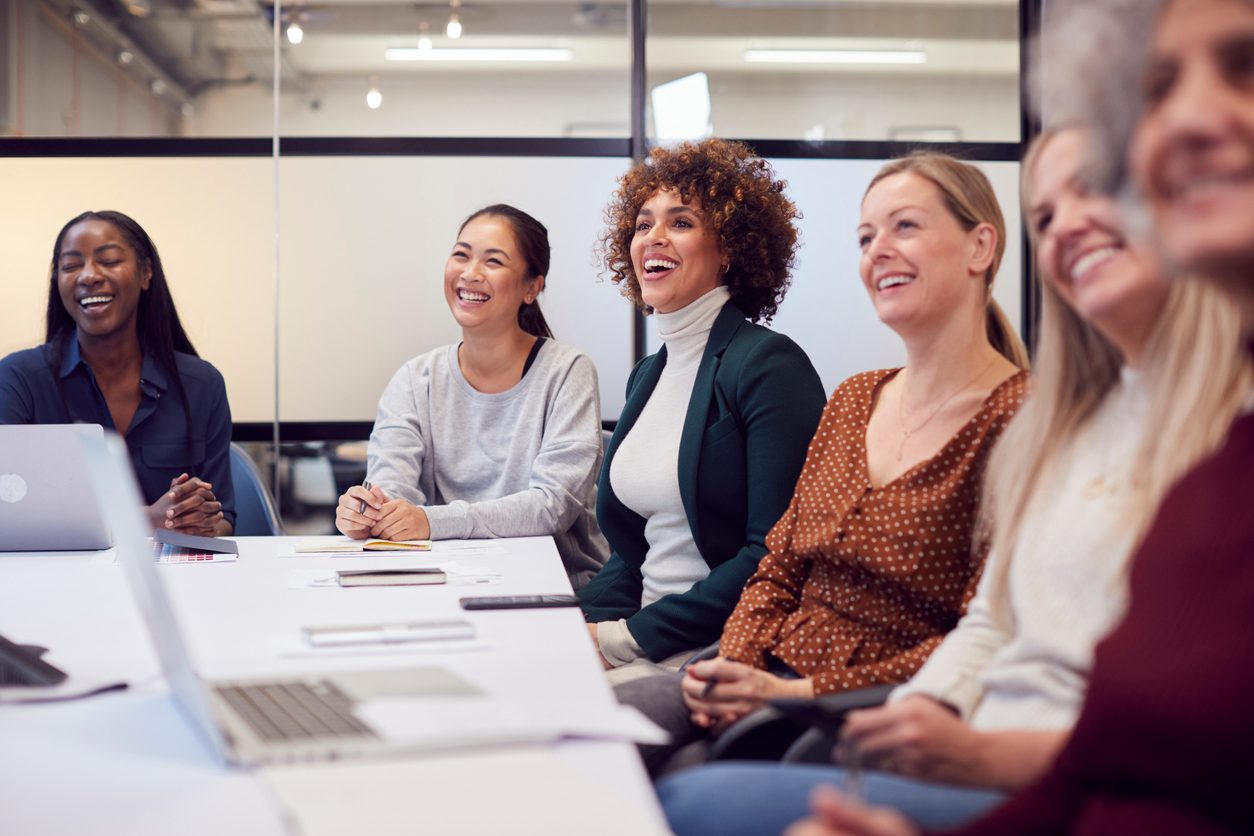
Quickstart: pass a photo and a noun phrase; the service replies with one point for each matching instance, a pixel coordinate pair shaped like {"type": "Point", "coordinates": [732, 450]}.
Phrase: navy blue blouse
{"type": "Point", "coordinates": [157, 438]}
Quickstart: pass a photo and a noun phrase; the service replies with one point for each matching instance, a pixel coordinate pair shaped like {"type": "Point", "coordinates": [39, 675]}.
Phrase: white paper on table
{"type": "Point", "coordinates": [602, 722]}
{"type": "Point", "coordinates": [289, 646]}
{"type": "Point", "coordinates": [472, 547]}
{"type": "Point", "coordinates": [439, 547]}
{"type": "Point", "coordinates": [527, 791]}
{"type": "Point", "coordinates": [457, 575]}
{"type": "Point", "coordinates": [442, 722]}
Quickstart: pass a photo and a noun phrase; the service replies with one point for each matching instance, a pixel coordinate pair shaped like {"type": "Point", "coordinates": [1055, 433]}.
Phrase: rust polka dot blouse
{"type": "Point", "coordinates": [861, 583]}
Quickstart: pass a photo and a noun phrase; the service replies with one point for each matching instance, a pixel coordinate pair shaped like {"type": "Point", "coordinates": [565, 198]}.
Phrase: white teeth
{"type": "Point", "coordinates": [94, 300]}
{"type": "Point", "coordinates": [1204, 185]}
{"type": "Point", "coordinates": [660, 264]}
{"type": "Point", "coordinates": [893, 281]}
{"type": "Point", "coordinates": [1089, 260]}
{"type": "Point", "coordinates": [472, 296]}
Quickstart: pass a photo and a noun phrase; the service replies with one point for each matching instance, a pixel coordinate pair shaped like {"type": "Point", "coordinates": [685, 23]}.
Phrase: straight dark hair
{"type": "Point", "coordinates": [533, 242]}
{"type": "Point", "coordinates": [158, 327]}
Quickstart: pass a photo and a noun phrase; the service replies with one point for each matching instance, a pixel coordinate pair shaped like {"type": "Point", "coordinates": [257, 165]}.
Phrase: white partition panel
{"type": "Point", "coordinates": [212, 221]}
{"type": "Point", "coordinates": [827, 310]}
{"type": "Point", "coordinates": [363, 245]}
{"type": "Point", "coordinates": [364, 242]}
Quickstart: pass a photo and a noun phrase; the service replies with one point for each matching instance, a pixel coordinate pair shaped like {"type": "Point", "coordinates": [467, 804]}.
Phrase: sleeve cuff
{"type": "Point", "coordinates": [961, 692]}
{"type": "Point", "coordinates": [618, 646]}
{"type": "Point", "coordinates": [445, 522]}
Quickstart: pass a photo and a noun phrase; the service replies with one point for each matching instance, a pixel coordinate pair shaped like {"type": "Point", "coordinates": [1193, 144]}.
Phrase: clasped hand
{"type": "Point", "coordinates": [389, 519]}
{"type": "Point", "coordinates": [189, 507]}
{"type": "Point", "coordinates": [719, 691]}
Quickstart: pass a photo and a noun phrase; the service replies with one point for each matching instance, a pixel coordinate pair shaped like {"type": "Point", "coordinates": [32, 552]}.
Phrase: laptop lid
{"type": "Point", "coordinates": [46, 502]}
{"type": "Point", "coordinates": [117, 494]}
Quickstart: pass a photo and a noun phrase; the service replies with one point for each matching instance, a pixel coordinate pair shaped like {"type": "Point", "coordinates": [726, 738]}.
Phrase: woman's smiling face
{"type": "Point", "coordinates": [674, 252]}
{"type": "Point", "coordinates": [1193, 152]}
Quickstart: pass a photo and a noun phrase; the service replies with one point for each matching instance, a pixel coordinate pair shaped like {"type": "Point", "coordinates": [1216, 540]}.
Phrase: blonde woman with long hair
{"type": "Point", "coordinates": [1135, 381]}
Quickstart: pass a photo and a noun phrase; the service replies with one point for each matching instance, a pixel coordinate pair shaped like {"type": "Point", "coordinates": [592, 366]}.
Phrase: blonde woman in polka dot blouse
{"type": "Point", "coordinates": [876, 556]}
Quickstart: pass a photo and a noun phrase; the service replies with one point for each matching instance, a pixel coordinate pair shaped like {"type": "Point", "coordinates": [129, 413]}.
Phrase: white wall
{"type": "Point", "coordinates": [212, 222]}
{"type": "Point", "coordinates": [363, 244]}
{"type": "Point", "coordinates": [827, 311]}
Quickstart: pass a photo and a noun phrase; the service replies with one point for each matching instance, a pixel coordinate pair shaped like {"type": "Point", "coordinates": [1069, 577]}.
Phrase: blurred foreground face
{"type": "Point", "coordinates": [1082, 248]}
{"type": "Point", "coordinates": [1194, 148]}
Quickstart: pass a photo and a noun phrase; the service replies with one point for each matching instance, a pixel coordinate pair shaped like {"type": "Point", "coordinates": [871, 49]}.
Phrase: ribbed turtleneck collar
{"type": "Point", "coordinates": [686, 330]}
{"type": "Point", "coordinates": [698, 315]}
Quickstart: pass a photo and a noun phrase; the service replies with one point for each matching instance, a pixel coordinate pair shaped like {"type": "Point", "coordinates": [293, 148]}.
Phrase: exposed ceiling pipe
{"type": "Point", "coordinates": [117, 41]}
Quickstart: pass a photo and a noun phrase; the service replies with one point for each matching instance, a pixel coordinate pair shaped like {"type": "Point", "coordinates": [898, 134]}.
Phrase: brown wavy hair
{"type": "Point", "coordinates": [743, 201]}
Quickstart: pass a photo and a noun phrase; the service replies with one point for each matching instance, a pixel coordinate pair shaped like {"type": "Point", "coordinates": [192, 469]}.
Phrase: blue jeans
{"type": "Point", "coordinates": [757, 799]}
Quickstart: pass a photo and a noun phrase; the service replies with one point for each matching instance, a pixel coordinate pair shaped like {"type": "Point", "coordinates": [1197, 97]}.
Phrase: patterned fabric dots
{"type": "Point", "coordinates": [861, 583]}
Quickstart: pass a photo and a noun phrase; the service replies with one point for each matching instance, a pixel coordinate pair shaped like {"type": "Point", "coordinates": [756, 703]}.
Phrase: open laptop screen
{"type": "Point", "coordinates": [46, 501]}
{"type": "Point", "coordinates": [119, 500]}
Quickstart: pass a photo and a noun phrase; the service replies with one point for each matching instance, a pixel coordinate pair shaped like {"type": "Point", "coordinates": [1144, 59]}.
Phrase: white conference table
{"type": "Point", "coordinates": [129, 762]}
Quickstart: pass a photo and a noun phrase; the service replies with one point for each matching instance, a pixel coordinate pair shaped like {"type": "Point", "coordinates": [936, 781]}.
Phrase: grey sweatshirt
{"type": "Point", "coordinates": [520, 463]}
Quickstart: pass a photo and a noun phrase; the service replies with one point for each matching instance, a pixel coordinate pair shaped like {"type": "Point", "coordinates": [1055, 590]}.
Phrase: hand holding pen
{"type": "Point", "coordinates": [359, 510]}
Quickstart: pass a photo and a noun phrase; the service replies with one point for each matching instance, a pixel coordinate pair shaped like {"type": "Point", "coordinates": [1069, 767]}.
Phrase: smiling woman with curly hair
{"type": "Point", "coordinates": [744, 204]}
{"type": "Point", "coordinates": [716, 424]}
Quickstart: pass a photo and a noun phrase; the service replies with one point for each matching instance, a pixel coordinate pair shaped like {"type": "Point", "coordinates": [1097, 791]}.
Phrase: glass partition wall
{"type": "Point", "coordinates": [306, 261]}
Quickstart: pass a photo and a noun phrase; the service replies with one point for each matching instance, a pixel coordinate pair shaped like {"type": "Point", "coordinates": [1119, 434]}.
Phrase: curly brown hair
{"type": "Point", "coordinates": [742, 199]}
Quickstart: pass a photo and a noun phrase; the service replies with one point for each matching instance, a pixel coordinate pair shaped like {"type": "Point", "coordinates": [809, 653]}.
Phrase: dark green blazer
{"type": "Point", "coordinates": [755, 404]}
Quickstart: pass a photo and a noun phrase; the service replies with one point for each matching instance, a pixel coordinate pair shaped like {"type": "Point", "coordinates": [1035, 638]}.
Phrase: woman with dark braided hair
{"type": "Point", "coordinates": [115, 354]}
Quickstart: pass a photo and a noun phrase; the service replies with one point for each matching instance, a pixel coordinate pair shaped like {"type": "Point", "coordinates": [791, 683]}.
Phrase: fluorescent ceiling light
{"type": "Point", "coordinates": [835, 56]}
{"type": "Point", "coordinates": [488, 55]}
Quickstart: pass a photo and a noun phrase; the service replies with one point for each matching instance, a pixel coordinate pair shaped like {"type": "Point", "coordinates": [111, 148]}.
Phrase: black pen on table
{"type": "Point", "coordinates": [362, 509]}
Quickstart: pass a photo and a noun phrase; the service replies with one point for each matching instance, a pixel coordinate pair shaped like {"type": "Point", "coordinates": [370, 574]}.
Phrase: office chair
{"type": "Point", "coordinates": [255, 514]}
{"type": "Point", "coordinates": [771, 734]}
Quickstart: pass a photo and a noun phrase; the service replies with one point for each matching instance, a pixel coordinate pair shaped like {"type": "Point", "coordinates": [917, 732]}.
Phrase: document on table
{"type": "Point", "coordinates": [340, 547]}
{"type": "Point", "coordinates": [520, 791]}
{"type": "Point", "coordinates": [456, 573]}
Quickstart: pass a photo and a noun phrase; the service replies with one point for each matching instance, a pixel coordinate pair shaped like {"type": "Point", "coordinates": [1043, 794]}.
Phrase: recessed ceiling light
{"type": "Point", "coordinates": [835, 56]}
{"type": "Point", "coordinates": [476, 55]}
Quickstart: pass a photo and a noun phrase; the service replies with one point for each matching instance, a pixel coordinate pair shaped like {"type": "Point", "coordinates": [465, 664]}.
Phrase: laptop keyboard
{"type": "Point", "coordinates": [293, 711]}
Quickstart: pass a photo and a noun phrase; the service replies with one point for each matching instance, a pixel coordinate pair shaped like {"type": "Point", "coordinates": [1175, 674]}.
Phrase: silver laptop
{"type": "Point", "coordinates": [279, 719]}
{"type": "Point", "coordinates": [46, 501]}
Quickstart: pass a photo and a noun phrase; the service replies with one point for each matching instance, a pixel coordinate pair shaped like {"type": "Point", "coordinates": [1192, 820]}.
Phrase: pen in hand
{"type": "Point", "coordinates": [362, 508]}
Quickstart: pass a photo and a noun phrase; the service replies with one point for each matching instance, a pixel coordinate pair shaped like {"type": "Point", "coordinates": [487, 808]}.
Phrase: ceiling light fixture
{"type": "Point", "coordinates": [424, 37]}
{"type": "Point", "coordinates": [454, 27]}
{"type": "Point", "coordinates": [295, 33]}
{"type": "Point", "coordinates": [81, 18]}
{"type": "Point", "coordinates": [477, 55]}
{"type": "Point", "coordinates": [125, 57]}
{"type": "Point", "coordinates": [835, 56]}
{"type": "Point", "coordinates": [374, 99]}
{"type": "Point", "coordinates": [157, 87]}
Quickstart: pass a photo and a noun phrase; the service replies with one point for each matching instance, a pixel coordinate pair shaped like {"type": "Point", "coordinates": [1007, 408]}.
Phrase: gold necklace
{"type": "Point", "coordinates": [901, 409]}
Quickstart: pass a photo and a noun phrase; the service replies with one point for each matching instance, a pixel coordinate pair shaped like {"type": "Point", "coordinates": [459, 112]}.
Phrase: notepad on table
{"type": "Point", "coordinates": [347, 546]}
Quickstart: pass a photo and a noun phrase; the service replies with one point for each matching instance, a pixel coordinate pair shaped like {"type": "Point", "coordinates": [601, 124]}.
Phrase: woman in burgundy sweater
{"type": "Point", "coordinates": [1164, 740]}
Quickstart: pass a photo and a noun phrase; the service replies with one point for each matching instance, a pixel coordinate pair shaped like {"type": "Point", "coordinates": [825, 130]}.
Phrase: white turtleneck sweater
{"type": "Point", "coordinates": [645, 470]}
{"type": "Point", "coordinates": [1021, 657]}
